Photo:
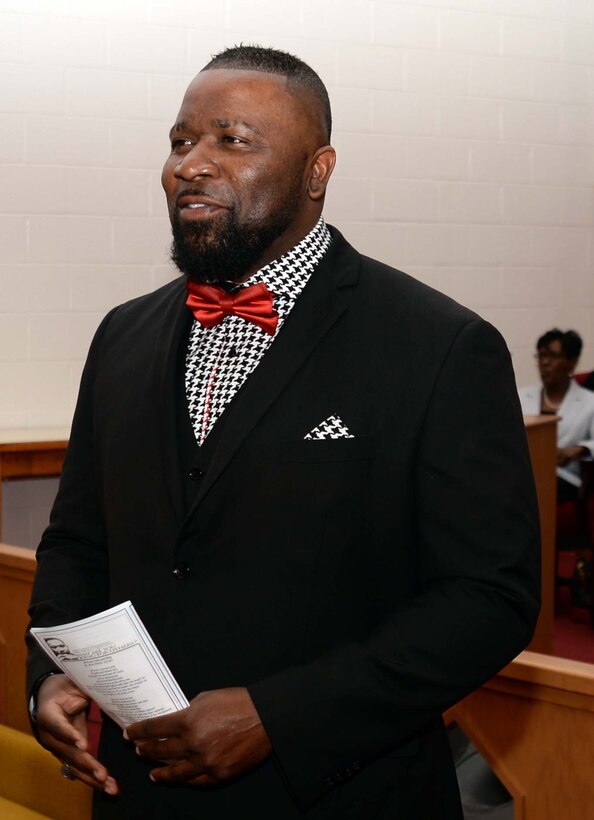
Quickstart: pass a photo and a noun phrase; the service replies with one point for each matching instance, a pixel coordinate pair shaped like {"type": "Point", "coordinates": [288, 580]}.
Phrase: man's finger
{"type": "Point", "coordinates": [164, 726]}
{"type": "Point", "coordinates": [106, 784]}
{"type": "Point", "coordinates": [182, 771]}
{"type": "Point", "coordinates": [64, 731]}
{"type": "Point", "coordinates": [83, 766]}
{"type": "Point", "coordinates": [166, 749]}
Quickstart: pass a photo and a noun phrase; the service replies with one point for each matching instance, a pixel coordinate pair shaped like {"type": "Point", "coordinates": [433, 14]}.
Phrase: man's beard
{"type": "Point", "coordinates": [226, 251]}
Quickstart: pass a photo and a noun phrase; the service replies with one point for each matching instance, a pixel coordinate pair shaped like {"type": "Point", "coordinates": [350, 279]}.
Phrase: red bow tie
{"type": "Point", "coordinates": [210, 304]}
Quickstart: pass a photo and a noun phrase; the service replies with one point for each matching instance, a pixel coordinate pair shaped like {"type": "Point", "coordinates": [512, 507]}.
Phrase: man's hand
{"type": "Point", "coordinates": [62, 729]}
{"type": "Point", "coordinates": [217, 738]}
{"type": "Point", "coordinates": [567, 454]}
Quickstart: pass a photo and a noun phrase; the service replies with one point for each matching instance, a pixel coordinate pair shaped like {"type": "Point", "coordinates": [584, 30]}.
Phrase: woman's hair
{"type": "Point", "coordinates": [571, 342]}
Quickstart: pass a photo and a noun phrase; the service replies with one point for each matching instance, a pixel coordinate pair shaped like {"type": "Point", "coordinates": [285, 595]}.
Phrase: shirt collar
{"type": "Point", "coordinates": [287, 275]}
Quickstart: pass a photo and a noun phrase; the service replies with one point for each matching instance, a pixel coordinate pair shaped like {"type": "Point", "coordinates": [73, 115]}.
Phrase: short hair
{"type": "Point", "coordinates": [571, 342]}
{"type": "Point", "coordinates": [275, 61]}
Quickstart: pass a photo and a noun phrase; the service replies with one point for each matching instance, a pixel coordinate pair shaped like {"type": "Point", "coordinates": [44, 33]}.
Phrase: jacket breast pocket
{"type": "Point", "coordinates": [360, 448]}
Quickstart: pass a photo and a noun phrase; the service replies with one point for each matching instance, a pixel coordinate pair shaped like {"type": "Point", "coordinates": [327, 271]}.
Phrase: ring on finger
{"type": "Point", "coordinates": [66, 771]}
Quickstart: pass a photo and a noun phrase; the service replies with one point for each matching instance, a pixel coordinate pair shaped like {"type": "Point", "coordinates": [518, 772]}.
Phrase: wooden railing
{"type": "Point", "coordinates": [25, 453]}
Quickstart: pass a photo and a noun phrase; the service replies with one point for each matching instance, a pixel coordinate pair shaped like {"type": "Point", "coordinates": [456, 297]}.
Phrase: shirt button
{"type": "Point", "coordinates": [181, 571]}
{"type": "Point", "coordinates": [195, 474]}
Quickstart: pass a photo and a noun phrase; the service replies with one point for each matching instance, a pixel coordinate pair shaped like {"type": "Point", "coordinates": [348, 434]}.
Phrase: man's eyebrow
{"type": "Point", "coordinates": [230, 123]}
{"type": "Point", "coordinates": [181, 125]}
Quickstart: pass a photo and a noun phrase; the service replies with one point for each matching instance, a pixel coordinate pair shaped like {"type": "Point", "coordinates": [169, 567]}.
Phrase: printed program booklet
{"type": "Point", "coordinates": [113, 659]}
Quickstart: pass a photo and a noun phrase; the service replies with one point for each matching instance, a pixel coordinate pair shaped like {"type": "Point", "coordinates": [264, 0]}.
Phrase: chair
{"type": "Point", "coordinates": [585, 379]}
{"type": "Point", "coordinates": [31, 786]}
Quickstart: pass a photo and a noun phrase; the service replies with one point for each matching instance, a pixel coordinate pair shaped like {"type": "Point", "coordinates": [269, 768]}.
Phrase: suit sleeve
{"type": "Point", "coordinates": [71, 580]}
{"type": "Point", "coordinates": [479, 581]}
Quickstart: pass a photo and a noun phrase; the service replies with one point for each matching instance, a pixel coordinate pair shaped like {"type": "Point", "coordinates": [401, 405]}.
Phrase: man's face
{"type": "Point", "coordinates": [238, 180]}
{"type": "Point", "coordinates": [554, 367]}
{"type": "Point", "coordinates": [57, 646]}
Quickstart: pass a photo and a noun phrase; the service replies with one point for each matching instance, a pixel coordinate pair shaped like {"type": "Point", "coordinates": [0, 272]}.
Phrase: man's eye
{"type": "Point", "coordinates": [232, 140]}
{"type": "Point", "coordinates": [180, 145]}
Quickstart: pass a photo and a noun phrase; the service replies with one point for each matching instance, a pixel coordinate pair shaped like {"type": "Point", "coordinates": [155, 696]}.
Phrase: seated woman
{"type": "Point", "coordinates": [557, 354]}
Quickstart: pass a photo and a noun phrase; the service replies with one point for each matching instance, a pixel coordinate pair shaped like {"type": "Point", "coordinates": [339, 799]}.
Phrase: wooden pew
{"type": "Point", "coordinates": [534, 724]}
{"type": "Point", "coordinates": [541, 432]}
{"type": "Point", "coordinates": [17, 567]}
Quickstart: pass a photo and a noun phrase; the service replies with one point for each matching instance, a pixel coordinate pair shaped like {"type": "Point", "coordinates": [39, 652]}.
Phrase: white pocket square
{"type": "Point", "coordinates": [332, 427]}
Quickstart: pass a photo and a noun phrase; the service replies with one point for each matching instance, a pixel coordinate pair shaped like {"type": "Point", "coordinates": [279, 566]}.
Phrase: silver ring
{"type": "Point", "coordinates": [66, 771]}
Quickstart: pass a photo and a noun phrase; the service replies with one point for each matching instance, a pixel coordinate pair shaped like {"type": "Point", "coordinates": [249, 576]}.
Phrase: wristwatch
{"type": "Point", "coordinates": [36, 688]}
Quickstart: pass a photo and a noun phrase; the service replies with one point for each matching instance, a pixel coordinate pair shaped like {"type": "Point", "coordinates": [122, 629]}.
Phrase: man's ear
{"type": "Point", "coordinates": [321, 170]}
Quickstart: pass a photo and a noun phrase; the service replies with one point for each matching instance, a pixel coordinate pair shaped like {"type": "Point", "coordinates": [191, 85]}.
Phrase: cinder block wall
{"type": "Point", "coordinates": [464, 130]}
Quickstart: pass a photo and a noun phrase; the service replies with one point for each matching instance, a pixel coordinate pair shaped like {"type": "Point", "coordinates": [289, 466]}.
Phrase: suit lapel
{"type": "Point", "coordinates": [173, 325]}
{"type": "Point", "coordinates": [325, 298]}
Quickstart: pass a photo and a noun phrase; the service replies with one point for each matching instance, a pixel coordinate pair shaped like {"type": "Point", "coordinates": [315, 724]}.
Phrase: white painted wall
{"type": "Point", "coordinates": [464, 130]}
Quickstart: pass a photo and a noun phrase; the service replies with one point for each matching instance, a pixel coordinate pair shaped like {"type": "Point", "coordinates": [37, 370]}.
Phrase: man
{"type": "Point", "coordinates": [319, 502]}
{"type": "Point", "coordinates": [60, 650]}
{"type": "Point", "coordinates": [557, 354]}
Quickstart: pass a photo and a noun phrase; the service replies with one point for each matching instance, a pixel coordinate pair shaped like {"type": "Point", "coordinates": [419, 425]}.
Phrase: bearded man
{"type": "Point", "coordinates": [309, 474]}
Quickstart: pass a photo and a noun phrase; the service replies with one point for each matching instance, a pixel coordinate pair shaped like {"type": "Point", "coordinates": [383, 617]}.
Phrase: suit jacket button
{"type": "Point", "coordinates": [195, 474]}
{"type": "Point", "coordinates": [181, 571]}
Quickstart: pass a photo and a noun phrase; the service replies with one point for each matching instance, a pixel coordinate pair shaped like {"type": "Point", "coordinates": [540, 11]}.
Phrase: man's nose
{"type": "Point", "coordinates": [197, 162]}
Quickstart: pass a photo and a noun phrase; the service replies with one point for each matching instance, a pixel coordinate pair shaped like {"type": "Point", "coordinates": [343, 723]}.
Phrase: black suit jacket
{"type": "Point", "coordinates": [357, 586]}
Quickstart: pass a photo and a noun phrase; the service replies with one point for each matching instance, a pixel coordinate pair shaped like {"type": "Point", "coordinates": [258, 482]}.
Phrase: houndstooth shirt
{"type": "Point", "coordinates": [219, 359]}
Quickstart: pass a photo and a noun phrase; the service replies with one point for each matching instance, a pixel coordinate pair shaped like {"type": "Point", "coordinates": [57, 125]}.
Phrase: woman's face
{"type": "Point", "coordinates": [554, 366]}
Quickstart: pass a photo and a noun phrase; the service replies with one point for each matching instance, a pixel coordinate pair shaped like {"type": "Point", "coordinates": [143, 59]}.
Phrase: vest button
{"type": "Point", "coordinates": [181, 571]}
{"type": "Point", "coordinates": [195, 474]}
